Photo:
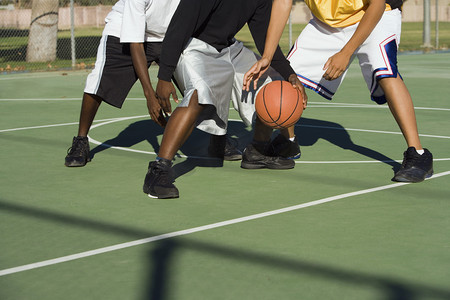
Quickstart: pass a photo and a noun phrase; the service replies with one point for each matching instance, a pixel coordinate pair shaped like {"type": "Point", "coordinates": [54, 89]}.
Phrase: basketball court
{"type": "Point", "coordinates": [334, 227]}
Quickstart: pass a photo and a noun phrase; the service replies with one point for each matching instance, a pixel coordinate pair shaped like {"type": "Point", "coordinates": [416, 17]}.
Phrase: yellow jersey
{"type": "Point", "coordinates": [339, 13]}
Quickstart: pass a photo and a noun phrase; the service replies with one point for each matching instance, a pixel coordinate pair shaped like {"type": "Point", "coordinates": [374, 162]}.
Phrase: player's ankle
{"type": "Point", "coordinates": [260, 146]}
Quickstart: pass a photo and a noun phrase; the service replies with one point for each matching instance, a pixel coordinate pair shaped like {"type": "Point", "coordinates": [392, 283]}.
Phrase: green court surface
{"type": "Point", "coordinates": [335, 227]}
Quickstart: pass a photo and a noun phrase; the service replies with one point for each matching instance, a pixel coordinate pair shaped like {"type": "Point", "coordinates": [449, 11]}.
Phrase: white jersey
{"type": "Point", "coordinates": [137, 21]}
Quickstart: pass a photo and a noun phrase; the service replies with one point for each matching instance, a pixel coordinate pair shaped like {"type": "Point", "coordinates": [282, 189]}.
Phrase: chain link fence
{"type": "Point", "coordinates": [50, 34]}
{"type": "Point", "coordinates": [42, 35]}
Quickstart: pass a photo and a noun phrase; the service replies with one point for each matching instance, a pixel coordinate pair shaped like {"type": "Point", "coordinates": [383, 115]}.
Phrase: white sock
{"type": "Point", "coordinates": [292, 138]}
{"type": "Point", "coordinates": [421, 151]}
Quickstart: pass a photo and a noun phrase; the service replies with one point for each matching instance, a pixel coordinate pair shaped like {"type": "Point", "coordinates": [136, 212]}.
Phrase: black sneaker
{"type": "Point", "coordinates": [223, 147]}
{"type": "Point", "coordinates": [415, 167]}
{"type": "Point", "coordinates": [253, 159]}
{"type": "Point", "coordinates": [78, 154]}
{"type": "Point", "coordinates": [159, 180]}
{"type": "Point", "coordinates": [281, 146]}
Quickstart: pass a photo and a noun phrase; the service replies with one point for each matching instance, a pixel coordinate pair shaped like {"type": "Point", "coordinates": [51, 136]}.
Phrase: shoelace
{"type": "Point", "coordinates": [164, 176]}
{"type": "Point", "coordinates": [409, 159]}
{"type": "Point", "coordinates": [77, 148]}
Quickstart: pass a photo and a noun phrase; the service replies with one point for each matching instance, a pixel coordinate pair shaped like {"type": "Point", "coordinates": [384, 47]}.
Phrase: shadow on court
{"type": "Point", "coordinates": [308, 131]}
{"type": "Point", "coordinates": [164, 255]}
{"type": "Point", "coordinates": [195, 148]}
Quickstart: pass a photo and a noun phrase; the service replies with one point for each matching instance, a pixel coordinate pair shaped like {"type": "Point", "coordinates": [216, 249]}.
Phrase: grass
{"type": "Point", "coordinates": [412, 33]}
{"type": "Point", "coordinates": [13, 45]}
{"type": "Point", "coordinates": [411, 39]}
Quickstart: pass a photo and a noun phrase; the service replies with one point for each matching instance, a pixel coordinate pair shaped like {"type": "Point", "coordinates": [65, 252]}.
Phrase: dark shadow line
{"type": "Point", "coordinates": [238, 254]}
{"type": "Point", "coordinates": [161, 257]}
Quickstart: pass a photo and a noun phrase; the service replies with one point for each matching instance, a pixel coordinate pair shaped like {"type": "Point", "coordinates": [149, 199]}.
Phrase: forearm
{"type": "Point", "coordinates": [368, 22]}
{"type": "Point", "coordinates": [281, 64]}
{"type": "Point", "coordinates": [259, 27]}
{"type": "Point", "coordinates": [140, 66]}
{"type": "Point", "coordinates": [278, 18]}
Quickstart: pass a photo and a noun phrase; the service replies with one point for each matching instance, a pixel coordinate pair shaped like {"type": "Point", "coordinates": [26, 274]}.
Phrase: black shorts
{"type": "Point", "coordinates": [114, 74]}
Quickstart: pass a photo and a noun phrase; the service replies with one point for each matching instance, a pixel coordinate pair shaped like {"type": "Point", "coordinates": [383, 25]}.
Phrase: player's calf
{"type": "Point", "coordinates": [223, 147]}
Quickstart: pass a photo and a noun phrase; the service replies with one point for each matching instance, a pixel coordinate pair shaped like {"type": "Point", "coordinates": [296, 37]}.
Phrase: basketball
{"type": "Point", "coordinates": [279, 105]}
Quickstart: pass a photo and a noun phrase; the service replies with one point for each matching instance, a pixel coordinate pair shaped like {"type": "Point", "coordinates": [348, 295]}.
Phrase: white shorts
{"type": "Point", "coordinates": [218, 78]}
{"type": "Point", "coordinates": [377, 55]}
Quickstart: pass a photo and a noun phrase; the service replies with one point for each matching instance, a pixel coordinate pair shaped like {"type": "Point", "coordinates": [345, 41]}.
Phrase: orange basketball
{"type": "Point", "coordinates": [279, 105]}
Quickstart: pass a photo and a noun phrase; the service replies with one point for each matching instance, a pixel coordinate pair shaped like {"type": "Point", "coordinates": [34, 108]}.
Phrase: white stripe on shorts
{"type": "Point", "coordinates": [93, 79]}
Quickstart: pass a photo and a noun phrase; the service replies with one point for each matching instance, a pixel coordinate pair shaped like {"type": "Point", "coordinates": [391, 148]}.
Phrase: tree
{"type": "Point", "coordinates": [43, 31]}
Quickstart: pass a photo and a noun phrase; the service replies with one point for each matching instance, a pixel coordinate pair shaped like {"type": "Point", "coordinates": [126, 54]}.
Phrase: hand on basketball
{"type": "Point", "coordinates": [154, 109]}
{"type": "Point", "coordinates": [255, 72]}
{"type": "Point", "coordinates": [163, 91]}
{"type": "Point", "coordinates": [293, 79]}
{"type": "Point", "coordinates": [278, 104]}
{"type": "Point", "coordinates": [336, 65]}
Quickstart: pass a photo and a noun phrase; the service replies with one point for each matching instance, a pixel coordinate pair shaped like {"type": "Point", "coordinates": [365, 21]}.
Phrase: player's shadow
{"type": "Point", "coordinates": [195, 148]}
{"type": "Point", "coordinates": [309, 131]}
{"type": "Point", "coordinates": [135, 133]}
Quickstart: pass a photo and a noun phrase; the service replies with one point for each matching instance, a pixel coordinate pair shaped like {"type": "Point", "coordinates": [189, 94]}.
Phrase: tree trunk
{"type": "Point", "coordinates": [43, 31]}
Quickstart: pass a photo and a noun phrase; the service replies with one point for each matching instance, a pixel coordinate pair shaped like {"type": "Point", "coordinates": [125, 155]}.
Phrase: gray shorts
{"type": "Point", "coordinates": [218, 79]}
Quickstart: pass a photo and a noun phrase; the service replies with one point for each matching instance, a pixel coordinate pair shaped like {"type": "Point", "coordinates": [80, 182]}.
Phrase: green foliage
{"type": "Point", "coordinates": [13, 45]}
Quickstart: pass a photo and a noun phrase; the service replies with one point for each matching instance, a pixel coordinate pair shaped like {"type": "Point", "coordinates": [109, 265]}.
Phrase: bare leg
{"type": "Point", "coordinates": [402, 108]}
{"type": "Point", "coordinates": [179, 127]}
{"type": "Point", "coordinates": [262, 132]}
{"type": "Point", "coordinates": [288, 132]}
{"type": "Point", "coordinates": [89, 109]}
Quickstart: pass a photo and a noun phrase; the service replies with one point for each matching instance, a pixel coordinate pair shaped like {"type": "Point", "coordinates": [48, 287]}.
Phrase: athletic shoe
{"type": "Point", "coordinates": [415, 167]}
{"type": "Point", "coordinates": [223, 147]}
{"type": "Point", "coordinates": [78, 154]}
{"type": "Point", "coordinates": [282, 146]}
{"type": "Point", "coordinates": [253, 159]}
{"type": "Point", "coordinates": [159, 180]}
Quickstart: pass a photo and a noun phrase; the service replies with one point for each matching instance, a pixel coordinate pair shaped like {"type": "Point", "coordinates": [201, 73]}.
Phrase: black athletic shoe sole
{"type": "Point", "coordinates": [167, 196]}
{"type": "Point", "coordinates": [256, 165]}
{"type": "Point", "coordinates": [76, 163]}
{"type": "Point", "coordinates": [410, 178]}
{"type": "Point", "coordinates": [232, 157]}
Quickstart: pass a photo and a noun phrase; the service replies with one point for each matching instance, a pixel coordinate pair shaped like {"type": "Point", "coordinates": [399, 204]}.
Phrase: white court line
{"type": "Point", "coordinates": [42, 99]}
{"type": "Point", "coordinates": [200, 228]}
{"type": "Point", "coordinates": [94, 141]}
{"type": "Point", "coordinates": [315, 104]}
{"type": "Point", "coordinates": [356, 105]}
{"type": "Point", "coordinates": [67, 124]}
{"type": "Point", "coordinates": [369, 130]}
{"type": "Point", "coordinates": [112, 120]}
{"type": "Point", "coordinates": [22, 76]}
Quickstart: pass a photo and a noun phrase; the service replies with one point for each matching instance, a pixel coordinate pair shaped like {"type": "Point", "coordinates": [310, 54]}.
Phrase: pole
{"type": "Point", "coordinates": [426, 24]}
{"type": "Point", "coordinates": [72, 33]}
{"type": "Point", "coordinates": [290, 31]}
{"type": "Point", "coordinates": [437, 25]}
